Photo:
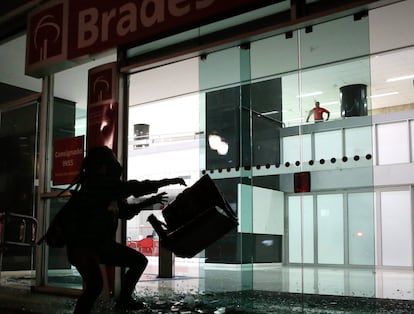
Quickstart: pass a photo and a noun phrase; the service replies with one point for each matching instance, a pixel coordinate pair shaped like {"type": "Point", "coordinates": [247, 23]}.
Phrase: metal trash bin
{"type": "Point", "coordinates": [198, 217]}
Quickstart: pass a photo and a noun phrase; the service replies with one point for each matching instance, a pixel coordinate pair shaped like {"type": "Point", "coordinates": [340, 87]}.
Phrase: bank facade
{"type": "Point", "coordinates": [225, 95]}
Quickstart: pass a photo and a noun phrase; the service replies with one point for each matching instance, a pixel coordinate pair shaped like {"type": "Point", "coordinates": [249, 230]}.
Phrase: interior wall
{"type": "Point", "coordinates": [12, 71]}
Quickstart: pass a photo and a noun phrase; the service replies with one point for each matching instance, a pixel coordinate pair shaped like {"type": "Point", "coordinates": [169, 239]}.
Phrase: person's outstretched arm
{"type": "Point", "coordinates": [139, 188]}
{"type": "Point", "coordinates": [128, 211]}
{"type": "Point", "coordinates": [165, 182]}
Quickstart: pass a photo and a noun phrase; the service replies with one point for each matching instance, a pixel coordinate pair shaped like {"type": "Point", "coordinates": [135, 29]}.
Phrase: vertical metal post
{"type": "Point", "coordinates": [2, 226]}
{"type": "Point", "coordinates": [45, 123]}
{"type": "Point", "coordinates": [166, 263]}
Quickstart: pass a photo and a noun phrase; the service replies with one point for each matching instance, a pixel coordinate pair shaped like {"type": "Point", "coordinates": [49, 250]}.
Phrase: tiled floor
{"type": "Point", "coordinates": [193, 275]}
{"type": "Point", "coordinates": [261, 288]}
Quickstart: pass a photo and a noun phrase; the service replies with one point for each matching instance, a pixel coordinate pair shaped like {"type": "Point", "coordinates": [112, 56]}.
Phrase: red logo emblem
{"type": "Point", "coordinates": [101, 89]}
{"type": "Point", "coordinates": [46, 35]}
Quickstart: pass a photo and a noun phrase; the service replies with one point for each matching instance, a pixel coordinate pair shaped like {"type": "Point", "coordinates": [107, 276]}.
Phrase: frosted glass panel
{"type": "Point", "coordinates": [396, 228]}
{"type": "Point", "coordinates": [361, 228]}
{"type": "Point", "coordinates": [301, 210]}
{"type": "Point", "coordinates": [220, 68]}
{"type": "Point", "coordinates": [267, 53]}
{"type": "Point", "coordinates": [292, 146]}
{"type": "Point", "coordinates": [358, 141]}
{"type": "Point", "coordinates": [268, 211]}
{"type": "Point", "coordinates": [330, 229]}
{"type": "Point", "coordinates": [412, 137]}
{"type": "Point", "coordinates": [338, 39]}
{"type": "Point", "coordinates": [390, 150]}
{"type": "Point", "coordinates": [328, 145]}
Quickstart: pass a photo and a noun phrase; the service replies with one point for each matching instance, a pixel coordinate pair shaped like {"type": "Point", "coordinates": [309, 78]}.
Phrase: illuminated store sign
{"type": "Point", "coordinates": [62, 31]}
{"type": "Point", "coordinates": [102, 107]}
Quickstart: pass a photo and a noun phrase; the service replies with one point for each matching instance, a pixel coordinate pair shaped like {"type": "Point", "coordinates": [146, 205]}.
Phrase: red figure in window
{"type": "Point", "coordinates": [318, 112]}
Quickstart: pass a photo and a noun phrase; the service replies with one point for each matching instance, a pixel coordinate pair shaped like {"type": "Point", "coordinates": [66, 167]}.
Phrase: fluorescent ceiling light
{"type": "Point", "coordinates": [383, 95]}
{"type": "Point", "coordinates": [400, 78]}
{"type": "Point", "coordinates": [309, 94]}
{"type": "Point", "coordinates": [269, 113]}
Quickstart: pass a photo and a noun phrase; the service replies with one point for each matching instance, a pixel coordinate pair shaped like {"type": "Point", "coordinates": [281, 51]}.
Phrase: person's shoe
{"type": "Point", "coordinates": [129, 304]}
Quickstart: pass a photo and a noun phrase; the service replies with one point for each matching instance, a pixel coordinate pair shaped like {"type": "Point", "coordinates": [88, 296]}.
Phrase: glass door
{"type": "Point", "coordinates": [18, 176]}
{"type": "Point", "coordinates": [163, 132]}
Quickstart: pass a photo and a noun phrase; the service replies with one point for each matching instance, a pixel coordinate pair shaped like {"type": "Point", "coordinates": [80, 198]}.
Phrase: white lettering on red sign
{"type": "Point", "coordinates": [95, 26]}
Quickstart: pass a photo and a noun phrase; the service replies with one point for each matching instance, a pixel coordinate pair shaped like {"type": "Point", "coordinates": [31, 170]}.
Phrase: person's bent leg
{"type": "Point", "coordinates": [87, 263]}
{"type": "Point", "coordinates": [136, 262]}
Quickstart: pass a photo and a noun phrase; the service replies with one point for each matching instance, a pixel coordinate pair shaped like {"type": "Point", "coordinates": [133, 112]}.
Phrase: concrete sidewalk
{"type": "Point", "coordinates": [23, 300]}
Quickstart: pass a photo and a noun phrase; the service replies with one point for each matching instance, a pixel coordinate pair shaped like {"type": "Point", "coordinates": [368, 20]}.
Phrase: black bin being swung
{"type": "Point", "coordinates": [198, 217]}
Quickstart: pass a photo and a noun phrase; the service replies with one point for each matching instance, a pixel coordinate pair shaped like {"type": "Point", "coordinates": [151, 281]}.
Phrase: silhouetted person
{"type": "Point", "coordinates": [102, 198]}
{"type": "Point", "coordinates": [317, 113]}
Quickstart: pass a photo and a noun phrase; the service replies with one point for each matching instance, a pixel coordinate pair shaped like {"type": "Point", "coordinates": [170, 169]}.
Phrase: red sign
{"type": "Point", "coordinates": [46, 46]}
{"type": "Point", "coordinates": [67, 159]}
{"type": "Point", "coordinates": [66, 30]}
{"type": "Point", "coordinates": [114, 23]}
{"type": "Point", "coordinates": [102, 108]}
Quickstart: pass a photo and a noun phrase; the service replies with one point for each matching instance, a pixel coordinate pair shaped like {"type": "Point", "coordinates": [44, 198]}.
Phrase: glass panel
{"type": "Point", "coordinates": [412, 140]}
{"type": "Point", "coordinates": [391, 74]}
{"type": "Point", "coordinates": [265, 56]}
{"type": "Point", "coordinates": [396, 228]}
{"type": "Point", "coordinates": [361, 228]}
{"type": "Point", "coordinates": [241, 19]}
{"type": "Point", "coordinates": [228, 115]}
{"type": "Point", "coordinates": [19, 140]}
{"type": "Point", "coordinates": [358, 142]}
{"type": "Point", "coordinates": [164, 142]}
{"type": "Point", "coordinates": [385, 22]}
{"type": "Point", "coordinates": [207, 30]}
{"type": "Point", "coordinates": [301, 233]}
{"type": "Point", "coordinates": [249, 252]}
{"type": "Point", "coordinates": [273, 111]}
{"type": "Point", "coordinates": [220, 69]}
{"type": "Point", "coordinates": [255, 107]}
{"type": "Point", "coordinates": [296, 148]}
{"type": "Point", "coordinates": [266, 102]}
{"type": "Point", "coordinates": [330, 229]}
{"type": "Point", "coordinates": [391, 151]}
{"type": "Point", "coordinates": [341, 88]}
{"type": "Point", "coordinates": [266, 53]}
{"type": "Point", "coordinates": [391, 66]}
{"type": "Point", "coordinates": [156, 84]}
{"type": "Point", "coordinates": [328, 145]}
{"type": "Point", "coordinates": [338, 76]}
{"type": "Point", "coordinates": [223, 122]}
{"type": "Point", "coordinates": [337, 40]}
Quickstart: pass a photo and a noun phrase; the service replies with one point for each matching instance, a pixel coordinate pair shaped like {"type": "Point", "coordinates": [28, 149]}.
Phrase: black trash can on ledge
{"type": "Point", "coordinates": [353, 100]}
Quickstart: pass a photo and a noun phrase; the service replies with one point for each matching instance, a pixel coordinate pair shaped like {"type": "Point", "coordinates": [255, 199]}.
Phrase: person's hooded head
{"type": "Point", "coordinates": [101, 161]}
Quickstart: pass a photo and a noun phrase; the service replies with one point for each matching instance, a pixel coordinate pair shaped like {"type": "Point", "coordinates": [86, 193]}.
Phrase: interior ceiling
{"type": "Point", "coordinates": [13, 15]}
